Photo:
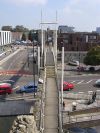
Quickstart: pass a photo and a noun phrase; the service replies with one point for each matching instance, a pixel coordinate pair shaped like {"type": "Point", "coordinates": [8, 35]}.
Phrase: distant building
{"type": "Point", "coordinates": [98, 30]}
{"type": "Point", "coordinates": [77, 41]}
{"type": "Point", "coordinates": [16, 36]}
{"type": "Point", "coordinates": [65, 29]}
{"type": "Point", "coordinates": [5, 37]}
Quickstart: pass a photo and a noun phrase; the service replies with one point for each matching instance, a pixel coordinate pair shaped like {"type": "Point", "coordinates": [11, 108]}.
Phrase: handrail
{"type": "Point", "coordinates": [43, 98]}
{"type": "Point", "coordinates": [59, 110]}
{"type": "Point", "coordinates": [77, 118]}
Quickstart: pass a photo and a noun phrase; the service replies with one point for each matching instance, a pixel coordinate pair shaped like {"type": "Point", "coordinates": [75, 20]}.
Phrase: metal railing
{"type": "Point", "coordinates": [43, 98]}
{"type": "Point", "coordinates": [73, 119]}
{"type": "Point", "coordinates": [60, 120]}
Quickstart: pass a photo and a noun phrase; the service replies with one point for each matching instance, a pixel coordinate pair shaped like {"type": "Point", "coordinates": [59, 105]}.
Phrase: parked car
{"type": "Point", "coordinates": [28, 88]}
{"type": "Point", "coordinates": [5, 88]}
{"type": "Point", "coordinates": [74, 63]}
{"type": "Point", "coordinates": [67, 86]}
{"type": "Point", "coordinates": [97, 83]}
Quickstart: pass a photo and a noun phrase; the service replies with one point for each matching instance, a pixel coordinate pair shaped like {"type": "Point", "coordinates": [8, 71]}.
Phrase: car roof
{"type": "Point", "coordinates": [31, 83]}
{"type": "Point", "coordinates": [5, 84]}
{"type": "Point", "coordinates": [98, 80]}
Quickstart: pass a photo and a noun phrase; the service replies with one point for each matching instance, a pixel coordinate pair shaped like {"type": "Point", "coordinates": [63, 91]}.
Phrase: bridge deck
{"type": "Point", "coordinates": [51, 100]}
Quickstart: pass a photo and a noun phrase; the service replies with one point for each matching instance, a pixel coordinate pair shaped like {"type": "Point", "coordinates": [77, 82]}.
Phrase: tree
{"type": "Point", "coordinates": [20, 28]}
{"type": "Point", "coordinates": [30, 36]}
{"type": "Point", "coordinates": [93, 56]}
{"type": "Point", "coordinates": [33, 35]}
{"type": "Point", "coordinates": [23, 37]}
{"type": "Point", "coordinates": [7, 28]}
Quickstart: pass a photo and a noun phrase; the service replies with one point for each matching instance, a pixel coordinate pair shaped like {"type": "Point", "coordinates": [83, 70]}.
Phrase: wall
{"type": "Point", "coordinates": [68, 55]}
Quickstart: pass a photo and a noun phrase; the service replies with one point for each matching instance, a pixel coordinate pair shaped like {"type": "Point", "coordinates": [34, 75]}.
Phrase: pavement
{"type": "Point", "coordinates": [80, 104]}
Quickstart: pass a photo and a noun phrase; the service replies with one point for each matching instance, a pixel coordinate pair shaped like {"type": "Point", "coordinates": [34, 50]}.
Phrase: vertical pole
{"type": "Point", "coordinates": [41, 33]}
{"type": "Point", "coordinates": [62, 78]}
{"type": "Point", "coordinates": [62, 75]}
{"type": "Point", "coordinates": [56, 41]}
{"type": "Point", "coordinates": [33, 69]}
{"type": "Point", "coordinates": [38, 60]}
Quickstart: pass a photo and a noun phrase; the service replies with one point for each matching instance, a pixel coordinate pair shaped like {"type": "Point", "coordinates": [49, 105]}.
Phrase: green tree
{"type": "Point", "coordinates": [93, 56]}
{"type": "Point", "coordinates": [23, 37]}
{"type": "Point", "coordinates": [30, 36]}
{"type": "Point", "coordinates": [6, 28]}
{"type": "Point", "coordinates": [20, 28]}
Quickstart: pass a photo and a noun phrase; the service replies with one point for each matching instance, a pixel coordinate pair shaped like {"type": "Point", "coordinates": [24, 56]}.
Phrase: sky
{"type": "Point", "coordinates": [84, 15]}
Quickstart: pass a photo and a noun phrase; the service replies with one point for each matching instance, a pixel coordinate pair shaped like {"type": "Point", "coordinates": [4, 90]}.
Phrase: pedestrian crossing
{"type": "Point", "coordinates": [82, 81]}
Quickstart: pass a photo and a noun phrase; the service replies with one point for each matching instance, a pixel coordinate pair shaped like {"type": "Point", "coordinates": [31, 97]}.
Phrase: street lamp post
{"type": "Point", "coordinates": [78, 50]}
{"type": "Point", "coordinates": [34, 62]}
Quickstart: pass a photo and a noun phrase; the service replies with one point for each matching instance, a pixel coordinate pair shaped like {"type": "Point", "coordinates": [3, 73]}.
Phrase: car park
{"type": "Point", "coordinates": [67, 86]}
{"type": "Point", "coordinates": [29, 88]}
{"type": "Point", "coordinates": [5, 88]}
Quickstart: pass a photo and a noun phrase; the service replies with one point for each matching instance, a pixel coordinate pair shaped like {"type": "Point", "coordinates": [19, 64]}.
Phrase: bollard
{"type": "Point", "coordinates": [74, 106]}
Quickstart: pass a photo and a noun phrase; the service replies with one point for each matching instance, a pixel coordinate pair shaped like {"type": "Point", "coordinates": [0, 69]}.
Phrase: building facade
{"type": "Point", "coordinates": [5, 38]}
{"type": "Point", "coordinates": [78, 41]}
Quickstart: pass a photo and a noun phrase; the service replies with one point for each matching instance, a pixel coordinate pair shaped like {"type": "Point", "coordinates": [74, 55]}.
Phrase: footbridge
{"type": "Point", "coordinates": [51, 101]}
{"type": "Point", "coordinates": [55, 119]}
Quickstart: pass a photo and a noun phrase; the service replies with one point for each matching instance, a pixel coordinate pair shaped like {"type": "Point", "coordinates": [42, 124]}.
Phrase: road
{"type": "Point", "coordinates": [17, 61]}
{"type": "Point", "coordinates": [82, 83]}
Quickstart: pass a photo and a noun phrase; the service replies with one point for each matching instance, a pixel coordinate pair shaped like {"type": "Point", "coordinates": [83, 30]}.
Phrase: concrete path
{"type": "Point", "coordinates": [51, 100]}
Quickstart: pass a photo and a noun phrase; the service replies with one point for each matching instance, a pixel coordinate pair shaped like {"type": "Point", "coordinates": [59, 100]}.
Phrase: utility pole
{"type": "Point", "coordinates": [62, 79]}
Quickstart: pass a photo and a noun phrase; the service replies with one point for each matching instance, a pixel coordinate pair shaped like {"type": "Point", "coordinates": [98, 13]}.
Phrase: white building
{"type": "Point", "coordinates": [5, 37]}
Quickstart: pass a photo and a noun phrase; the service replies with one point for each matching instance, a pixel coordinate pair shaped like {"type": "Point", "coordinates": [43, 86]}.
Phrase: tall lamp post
{"type": "Point", "coordinates": [78, 50]}
{"type": "Point", "coordinates": [62, 79]}
{"type": "Point", "coordinates": [34, 62]}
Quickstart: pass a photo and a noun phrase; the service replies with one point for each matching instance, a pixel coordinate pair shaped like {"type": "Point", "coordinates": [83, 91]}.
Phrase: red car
{"type": "Point", "coordinates": [67, 86]}
{"type": "Point", "coordinates": [5, 88]}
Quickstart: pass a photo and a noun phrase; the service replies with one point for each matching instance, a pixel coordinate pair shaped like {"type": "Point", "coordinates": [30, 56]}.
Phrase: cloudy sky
{"type": "Point", "coordinates": [84, 15]}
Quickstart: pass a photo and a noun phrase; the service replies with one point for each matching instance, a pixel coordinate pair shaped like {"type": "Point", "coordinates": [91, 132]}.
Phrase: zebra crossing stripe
{"type": "Point", "coordinates": [89, 81]}
{"type": "Point", "coordinates": [80, 82]}
{"type": "Point", "coordinates": [73, 81]}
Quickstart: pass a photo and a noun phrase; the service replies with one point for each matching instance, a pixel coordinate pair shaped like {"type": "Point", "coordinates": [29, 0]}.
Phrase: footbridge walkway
{"type": "Point", "coordinates": [51, 109]}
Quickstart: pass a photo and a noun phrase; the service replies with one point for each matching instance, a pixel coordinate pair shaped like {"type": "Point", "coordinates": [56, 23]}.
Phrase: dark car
{"type": "Point", "coordinates": [31, 87]}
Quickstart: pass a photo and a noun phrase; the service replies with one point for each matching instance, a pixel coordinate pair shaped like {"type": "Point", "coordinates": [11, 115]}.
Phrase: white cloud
{"type": "Point", "coordinates": [25, 2]}
{"type": "Point", "coordinates": [81, 13]}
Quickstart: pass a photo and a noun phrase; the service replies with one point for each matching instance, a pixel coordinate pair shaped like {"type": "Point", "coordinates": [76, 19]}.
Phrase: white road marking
{"type": "Point", "coordinates": [89, 81]}
{"type": "Point", "coordinates": [73, 81]}
{"type": "Point", "coordinates": [8, 80]}
{"type": "Point", "coordinates": [80, 82]}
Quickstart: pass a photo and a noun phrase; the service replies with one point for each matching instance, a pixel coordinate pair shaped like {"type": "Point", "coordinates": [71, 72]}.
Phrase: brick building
{"type": "Point", "coordinates": [78, 41]}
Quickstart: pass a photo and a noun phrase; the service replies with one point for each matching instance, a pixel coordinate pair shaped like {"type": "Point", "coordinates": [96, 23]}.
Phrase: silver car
{"type": "Point", "coordinates": [97, 83]}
